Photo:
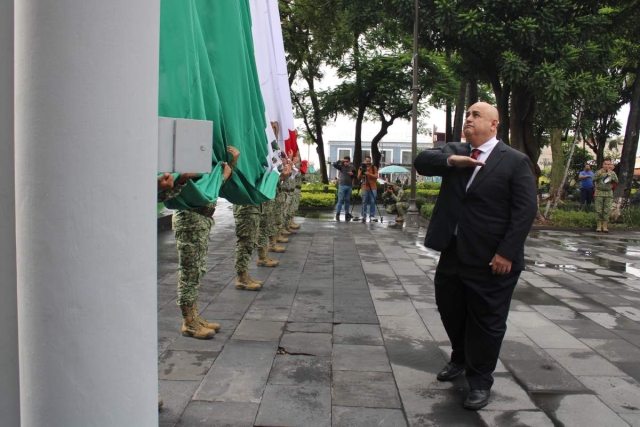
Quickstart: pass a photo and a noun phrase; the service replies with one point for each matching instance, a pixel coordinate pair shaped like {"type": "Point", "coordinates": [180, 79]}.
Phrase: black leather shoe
{"type": "Point", "coordinates": [477, 399]}
{"type": "Point", "coordinates": [348, 217]}
{"type": "Point", "coordinates": [337, 217]}
{"type": "Point", "coordinates": [450, 372]}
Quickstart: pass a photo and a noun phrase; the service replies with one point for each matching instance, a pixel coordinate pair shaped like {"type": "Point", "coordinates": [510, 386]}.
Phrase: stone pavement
{"type": "Point", "coordinates": [346, 333]}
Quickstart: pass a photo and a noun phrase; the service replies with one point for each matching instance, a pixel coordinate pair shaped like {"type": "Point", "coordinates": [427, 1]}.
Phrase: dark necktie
{"type": "Point", "coordinates": [475, 153]}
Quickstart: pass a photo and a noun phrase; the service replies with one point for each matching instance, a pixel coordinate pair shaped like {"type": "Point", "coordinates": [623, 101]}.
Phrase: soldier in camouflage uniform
{"type": "Point", "coordinates": [266, 228]}
{"type": "Point", "coordinates": [247, 233]}
{"type": "Point", "coordinates": [399, 204]}
{"type": "Point", "coordinates": [192, 228]}
{"type": "Point", "coordinates": [279, 207]}
{"type": "Point", "coordinates": [603, 181]}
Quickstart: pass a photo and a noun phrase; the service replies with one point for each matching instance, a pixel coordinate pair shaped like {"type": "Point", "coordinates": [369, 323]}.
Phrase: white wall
{"type": "Point", "coordinates": [9, 384]}
{"type": "Point", "coordinates": [86, 158]}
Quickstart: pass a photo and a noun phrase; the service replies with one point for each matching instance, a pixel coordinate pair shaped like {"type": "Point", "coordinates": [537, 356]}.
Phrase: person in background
{"type": "Point", "coordinates": [347, 173]}
{"type": "Point", "coordinates": [604, 181]}
{"type": "Point", "coordinates": [586, 187]}
{"type": "Point", "coordinates": [368, 177]}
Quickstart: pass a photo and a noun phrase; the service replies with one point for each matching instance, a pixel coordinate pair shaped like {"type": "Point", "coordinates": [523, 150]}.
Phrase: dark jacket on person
{"type": "Point", "coordinates": [345, 178]}
{"type": "Point", "coordinates": [493, 216]}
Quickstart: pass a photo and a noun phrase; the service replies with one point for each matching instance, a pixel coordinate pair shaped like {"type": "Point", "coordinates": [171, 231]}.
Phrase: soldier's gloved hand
{"type": "Point", "coordinates": [235, 153]}
{"type": "Point", "coordinates": [165, 182]}
{"type": "Point", "coordinates": [226, 171]}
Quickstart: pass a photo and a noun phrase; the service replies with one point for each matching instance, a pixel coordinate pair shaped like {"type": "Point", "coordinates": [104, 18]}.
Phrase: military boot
{"type": "Point", "coordinates": [400, 219]}
{"type": "Point", "coordinates": [191, 327]}
{"type": "Point", "coordinates": [274, 247]}
{"type": "Point", "coordinates": [605, 226]}
{"type": "Point", "coordinates": [292, 224]}
{"type": "Point", "coordinates": [206, 324]}
{"type": "Point", "coordinates": [264, 260]}
{"type": "Point", "coordinates": [282, 239]}
{"type": "Point", "coordinates": [256, 281]}
{"type": "Point", "coordinates": [290, 230]}
{"type": "Point", "coordinates": [242, 282]}
{"type": "Point", "coordinates": [599, 227]}
{"type": "Point", "coordinates": [284, 232]}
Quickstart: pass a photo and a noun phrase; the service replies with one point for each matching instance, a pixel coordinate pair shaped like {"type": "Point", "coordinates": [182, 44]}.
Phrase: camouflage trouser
{"type": "Point", "coordinates": [192, 239]}
{"type": "Point", "coordinates": [400, 208]}
{"type": "Point", "coordinates": [296, 203]}
{"type": "Point", "coordinates": [278, 212]}
{"type": "Point", "coordinates": [289, 208]}
{"type": "Point", "coordinates": [247, 232]}
{"type": "Point", "coordinates": [266, 223]}
{"type": "Point", "coordinates": [603, 207]}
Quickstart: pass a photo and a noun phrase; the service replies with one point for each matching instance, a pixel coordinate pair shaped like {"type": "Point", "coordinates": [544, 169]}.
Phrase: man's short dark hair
{"type": "Point", "coordinates": [346, 158]}
{"type": "Point", "coordinates": [367, 157]}
{"type": "Point", "coordinates": [608, 159]}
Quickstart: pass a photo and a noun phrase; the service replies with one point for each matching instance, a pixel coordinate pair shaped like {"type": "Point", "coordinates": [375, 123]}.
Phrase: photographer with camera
{"type": "Point", "coordinates": [397, 202]}
{"type": "Point", "coordinates": [368, 175]}
{"type": "Point", "coordinates": [347, 173]}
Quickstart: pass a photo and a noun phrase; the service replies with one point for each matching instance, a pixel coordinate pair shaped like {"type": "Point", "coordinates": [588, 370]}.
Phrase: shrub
{"type": "Point", "coordinates": [631, 216]}
{"type": "Point", "coordinates": [317, 200]}
{"type": "Point", "coordinates": [563, 218]}
{"type": "Point", "coordinates": [319, 188]}
{"type": "Point", "coordinates": [427, 210]}
{"type": "Point", "coordinates": [428, 186]}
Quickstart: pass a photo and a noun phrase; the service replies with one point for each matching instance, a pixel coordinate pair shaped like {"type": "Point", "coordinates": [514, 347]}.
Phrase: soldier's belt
{"type": "Point", "coordinates": [207, 211]}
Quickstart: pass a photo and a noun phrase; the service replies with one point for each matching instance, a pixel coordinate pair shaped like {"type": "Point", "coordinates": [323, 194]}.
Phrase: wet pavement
{"type": "Point", "coordinates": [345, 332]}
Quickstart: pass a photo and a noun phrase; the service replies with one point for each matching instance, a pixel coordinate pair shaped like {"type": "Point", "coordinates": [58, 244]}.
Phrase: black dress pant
{"type": "Point", "coordinates": [473, 305]}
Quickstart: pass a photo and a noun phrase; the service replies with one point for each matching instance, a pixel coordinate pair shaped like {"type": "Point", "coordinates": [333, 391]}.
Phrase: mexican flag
{"type": "Point", "coordinates": [208, 72]}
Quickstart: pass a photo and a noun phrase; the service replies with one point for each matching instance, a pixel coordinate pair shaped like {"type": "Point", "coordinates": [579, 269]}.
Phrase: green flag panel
{"type": "Point", "coordinates": [208, 72]}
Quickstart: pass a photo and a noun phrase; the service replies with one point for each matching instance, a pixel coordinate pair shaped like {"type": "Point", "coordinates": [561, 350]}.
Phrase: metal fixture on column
{"type": "Point", "coordinates": [412, 212]}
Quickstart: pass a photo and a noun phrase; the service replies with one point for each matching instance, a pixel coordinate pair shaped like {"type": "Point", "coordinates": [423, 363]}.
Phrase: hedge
{"type": "Point", "coordinates": [319, 188]}
{"type": "Point", "coordinates": [317, 200]}
{"type": "Point", "coordinates": [428, 186]}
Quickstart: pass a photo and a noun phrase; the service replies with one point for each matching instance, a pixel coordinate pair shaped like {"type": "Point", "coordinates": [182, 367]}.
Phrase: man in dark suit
{"type": "Point", "coordinates": [486, 206]}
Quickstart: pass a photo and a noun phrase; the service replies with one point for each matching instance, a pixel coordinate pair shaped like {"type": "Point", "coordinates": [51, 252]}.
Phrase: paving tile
{"type": "Point", "coordinates": [556, 312]}
{"type": "Point", "coordinates": [268, 313]}
{"type": "Point", "coordinates": [584, 362]}
{"type": "Point", "coordinates": [365, 417]}
{"type": "Point", "coordinates": [240, 372]}
{"type": "Point", "coordinates": [258, 330]}
{"type": "Point", "coordinates": [632, 419]}
{"type": "Point", "coordinates": [438, 408]}
{"type": "Point", "coordinates": [515, 418]}
{"type": "Point", "coordinates": [615, 350]}
{"type": "Point", "coordinates": [365, 389]}
{"type": "Point", "coordinates": [620, 394]}
{"type": "Point", "coordinates": [362, 315]}
{"type": "Point", "coordinates": [301, 370]}
{"type": "Point", "coordinates": [586, 410]}
{"type": "Point", "coordinates": [219, 414]}
{"type": "Point", "coordinates": [585, 328]}
{"type": "Point", "coordinates": [535, 369]}
{"type": "Point", "coordinates": [360, 358]}
{"type": "Point", "coordinates": [507, 395]}
{"type": "Point", "coordinates": [295, 406]}
{"type": "Point", "coordinates": [319, 328]}
{"type": "Point", "coordinates": [357, 334]}
{"type": "Point", "coordinates": [175, 396]}
{"type": "Point", "coordinates": [185, 365]}
{"type": "Point", "coordinates": [311, 344]}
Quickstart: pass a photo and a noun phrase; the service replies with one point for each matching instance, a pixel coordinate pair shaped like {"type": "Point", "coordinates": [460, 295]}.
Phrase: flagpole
{"type": "Point", "coordinates": [412, 212]}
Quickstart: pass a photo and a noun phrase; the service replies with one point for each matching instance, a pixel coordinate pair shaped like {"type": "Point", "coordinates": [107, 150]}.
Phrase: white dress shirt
{"type": "Point", "coordinates": [485, 151]}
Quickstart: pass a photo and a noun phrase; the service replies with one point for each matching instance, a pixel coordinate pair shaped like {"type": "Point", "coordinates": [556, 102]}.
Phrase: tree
{"type": "Point", "coordinates": [310, 41]}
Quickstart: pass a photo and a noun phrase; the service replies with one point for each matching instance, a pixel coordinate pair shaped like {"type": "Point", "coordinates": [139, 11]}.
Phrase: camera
{"type": "Point", "coordinates": [364, 167]}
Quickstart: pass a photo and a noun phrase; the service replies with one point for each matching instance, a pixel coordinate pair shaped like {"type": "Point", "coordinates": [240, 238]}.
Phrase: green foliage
{"type": "Point", "coordinates": [570, 218]}
{"type": "Point", "coordinates": [631, 216]}
{"type": "Point", "coordinates": [581, 157]}
{"type": "Point", "coordinates": [319, 188]}
{"type": "Point", "coordinates": [428, 186]}
{"type": "Point", "coordinates": [427, 210]}
{"type": "Point", "coordinates": [318, 200]}
{"type": "Point", "coordinates": [426, 193]}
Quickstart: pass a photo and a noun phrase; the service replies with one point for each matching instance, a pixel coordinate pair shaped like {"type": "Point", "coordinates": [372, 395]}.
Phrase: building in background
{"type": "Point", "coordinates": [393, 153]}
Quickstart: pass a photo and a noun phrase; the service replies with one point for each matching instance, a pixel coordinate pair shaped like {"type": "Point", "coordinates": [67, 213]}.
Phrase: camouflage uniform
{"type": "Point", "coordinates": [297, 194]}
{"type": "Point", "coordinates": [247, 232]}
{"type": "Point", "coordinates": [401, 205]}
{"type": "Point", "coordinates": [192, 228]}
{"type": "Point", "coordinates": [170, 193]}
{"type": "Point", "coordinates": [604, 194]}
{"type": "Point", "coordinates": [278, 211]}
{"type": "Point", "coordinates": [289, 188]}
{"type": "Point", "coordinates": [266, 223]}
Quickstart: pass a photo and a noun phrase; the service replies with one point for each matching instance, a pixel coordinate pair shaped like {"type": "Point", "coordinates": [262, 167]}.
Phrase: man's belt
{"type": "Point", "coordinates": [207, 210]}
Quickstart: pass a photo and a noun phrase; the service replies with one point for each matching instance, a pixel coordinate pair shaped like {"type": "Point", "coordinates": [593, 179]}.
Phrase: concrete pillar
{"type": "Point", "coordinates": [86, 159]}
{"type": "Point", "coordinates": [9, 379]}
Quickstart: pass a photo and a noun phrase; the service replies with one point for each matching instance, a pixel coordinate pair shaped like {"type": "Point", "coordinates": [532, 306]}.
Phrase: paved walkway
{"type": "Point", "coordinates": [346, 333]}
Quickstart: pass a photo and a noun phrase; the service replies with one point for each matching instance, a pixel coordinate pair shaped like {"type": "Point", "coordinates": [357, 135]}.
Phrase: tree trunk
{"type": "Point", "coordinates": [357, 155]}
{"type": "Point", "coordinates": [448, 129]}
{"type": "Point", "coordinates": [557, 166]}
{"type": "Point", "coordinates": [459, 115]}
{"type": "Point", "coordinates": [521, 124]}
{"type": "Point", "coordinates": [317, 124]}
{"type": "Point", "coordinates": [472, 98]}
{"type": "Point", "coordinates": [630, 145]}
{"type": "Point", "coordinates": [601, 144]}
{"type": "Point", "coordinates": [375, 152]}
{"type": "Point", "coordinates": [502, 93]}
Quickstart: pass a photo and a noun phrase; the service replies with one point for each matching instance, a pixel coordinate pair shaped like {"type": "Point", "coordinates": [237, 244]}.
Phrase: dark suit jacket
{"type": "Point", "coordinates": [493, 216]}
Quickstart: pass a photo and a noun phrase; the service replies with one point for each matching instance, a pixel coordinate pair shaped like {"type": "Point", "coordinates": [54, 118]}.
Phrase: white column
{"type": "Point", "coordinates": [86, 158]}
{"type": "Point", "coordinates": [9, 379]}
